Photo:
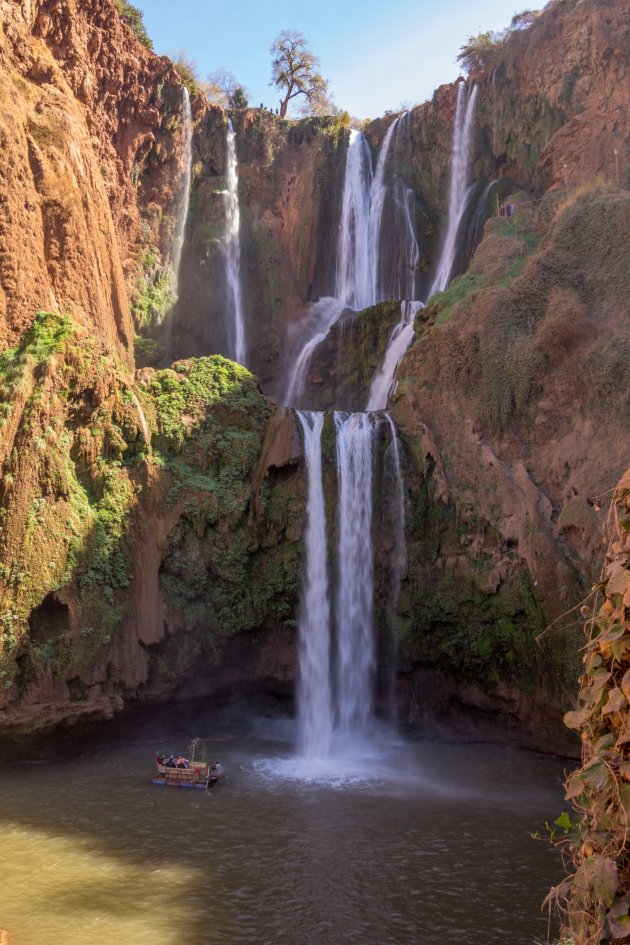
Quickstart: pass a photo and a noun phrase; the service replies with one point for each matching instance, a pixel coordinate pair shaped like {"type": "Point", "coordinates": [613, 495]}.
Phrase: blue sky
{"type": "Point", "coordinates": [375, 55]}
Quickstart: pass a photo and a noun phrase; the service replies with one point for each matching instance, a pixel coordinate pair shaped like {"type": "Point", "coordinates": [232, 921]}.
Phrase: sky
{"type": "Point", "coordinates": [376, 55]}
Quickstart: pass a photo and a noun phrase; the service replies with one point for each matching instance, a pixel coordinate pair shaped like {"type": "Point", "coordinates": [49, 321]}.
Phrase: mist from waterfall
{"type": "Point", "coordinates": [232, 252]}
{"type": "Point", "coordinates": [182, 214]}
{"type": "Point", "coordinates": [460, 167]}
{"type": "Point", "coordinates": [315, 721]}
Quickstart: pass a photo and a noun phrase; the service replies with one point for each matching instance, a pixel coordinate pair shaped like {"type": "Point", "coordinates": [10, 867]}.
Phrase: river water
{"type": "Point", "coordinates": [402, 842]}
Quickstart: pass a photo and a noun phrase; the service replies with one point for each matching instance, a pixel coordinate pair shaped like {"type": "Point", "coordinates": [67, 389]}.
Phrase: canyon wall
{"type": "Point", "coordinates": [150, 536]}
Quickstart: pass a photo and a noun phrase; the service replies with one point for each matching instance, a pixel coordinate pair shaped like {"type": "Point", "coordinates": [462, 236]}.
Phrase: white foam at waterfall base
{"type": "Point", "coordinates": [353, 760]}
{"type": "Point", "coordinates": [232, 251]}
{"type": "Point", "coordinates": [383, 383]}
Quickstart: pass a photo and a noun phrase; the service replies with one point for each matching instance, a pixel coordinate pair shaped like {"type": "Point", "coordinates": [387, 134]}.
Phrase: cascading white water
{"type": "Point", "coordinates": [383, 383]}
{"type": "Point", "coordinates": [353, 276]}
{"type": "Point", "coordinates": [322, 315]}
{"type": "Point", "coordinates": [378, 193]}
{"type": "Point", "coordinates": [184, 200]}
{"type": "Point", "coordinates": [315, 720]}
{"type": "Point", "coordinates": [460, 161]}
{"type": "Point", "coordinates": [358, 279]}
{"type": "Point", "coordinates": [356, 657]}
{"type": "Point", "coordinates": [232, 250]}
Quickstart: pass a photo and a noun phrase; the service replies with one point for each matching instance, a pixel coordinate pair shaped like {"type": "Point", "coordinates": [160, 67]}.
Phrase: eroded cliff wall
{"type": "Point", "coordinates": [150, 539]}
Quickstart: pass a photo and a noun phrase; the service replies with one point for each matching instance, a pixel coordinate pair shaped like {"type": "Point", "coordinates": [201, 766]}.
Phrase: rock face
{"type": "Point", "coordinates": [290, 177]}
{"type": "Point", "coordinates": [145, 527]}
{"type": "Point", "coordinates": [510, 396]}
{"type": "Point", "coordinates": [150, 529]}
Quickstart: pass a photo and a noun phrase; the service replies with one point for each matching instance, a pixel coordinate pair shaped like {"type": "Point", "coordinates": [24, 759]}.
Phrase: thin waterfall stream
{"type": "Point", "coordinates": [460, 167]}
{"type": "Point", "coordinates": [232, 251]}
{"type": "Point", "coordinates": [182, 216]}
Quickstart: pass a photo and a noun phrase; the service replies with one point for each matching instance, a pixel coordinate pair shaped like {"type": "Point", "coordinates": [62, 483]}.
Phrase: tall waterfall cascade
{"type": "Point", "coordinates": [458, 190]}
{"type": "Point", "coordinates": [353, 277]}
{"type": "Point", "coordinates": [338, 644]}
{"type": "Point", "coordinates": [232, 251]}
{"type": "Point", "coordinates": [315, 720]}
{"type": "Point", "coordinates": [184, 201]}
{"type": "Point", "coordinates": [356, 655]}
{"type": "Point", "coordinates": [359, 277]}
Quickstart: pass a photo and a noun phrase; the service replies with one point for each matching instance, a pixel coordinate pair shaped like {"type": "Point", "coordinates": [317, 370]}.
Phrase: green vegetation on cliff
{"type": "Point", "coordinates": [72, 437]}
{"type": "Point", "coordinates": [134, 18]}
{"type": "Point", "coordinates": [221, 574]}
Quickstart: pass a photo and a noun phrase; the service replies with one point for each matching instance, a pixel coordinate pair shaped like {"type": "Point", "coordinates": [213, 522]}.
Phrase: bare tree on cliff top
{"type": "Point", "coordinates": [294, 70]}
{"type": "Point", "coordinates": [223, 88]}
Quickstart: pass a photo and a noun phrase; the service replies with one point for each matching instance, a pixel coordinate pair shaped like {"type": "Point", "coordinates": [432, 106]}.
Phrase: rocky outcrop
{"type": "Point", "coordinates": [509, 397]}
{"type": "Point", "coordinates": [290, 178]}
{"type": "Point", "coordinates": [150, 530]}
{"type": "Point", "coordinates": [130, 561]}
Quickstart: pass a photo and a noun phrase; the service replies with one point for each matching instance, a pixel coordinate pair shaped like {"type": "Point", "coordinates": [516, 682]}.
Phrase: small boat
{"type": "Point", "coordinates": [200, 775]}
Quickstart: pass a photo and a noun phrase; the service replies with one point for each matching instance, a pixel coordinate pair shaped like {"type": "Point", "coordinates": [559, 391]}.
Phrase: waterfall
{"type": "Point", "coordinates": [356, 657]}
{"type": "Point", "coordinates": [401, 278]}
{"type": "Point", "coordinates": [314, 693]}
{"type": "Point", "coordinates": [378, 193]}
{"type": "Point", "coordinates": [182, 215]}
{"type": "Point", "coordinates": [232, 250]}
{"type": "Point", "coordinates": [353, 276]}
{"type": "Point", "coordinates": [322, 315]}
{"type": "Point", "coordinates": [460, 161]}
{"type": "Point", "coordinates": [383, 383]}
{"type": "Point", "coordinates": [358, 280]}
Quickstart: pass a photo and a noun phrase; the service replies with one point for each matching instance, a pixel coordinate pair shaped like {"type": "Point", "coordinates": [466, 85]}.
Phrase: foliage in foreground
{"type": "Point", "coordinates": [595, 900]}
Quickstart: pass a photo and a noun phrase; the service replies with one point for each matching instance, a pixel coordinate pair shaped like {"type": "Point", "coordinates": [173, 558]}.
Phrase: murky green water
{"type": "Point", "coordinates": [400, 844]}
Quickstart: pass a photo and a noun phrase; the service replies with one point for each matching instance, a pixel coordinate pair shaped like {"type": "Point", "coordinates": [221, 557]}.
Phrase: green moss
{"type": "Point", "coordinates": [442, 304]}
{"type": "Point", "coordinates": [184, 393]}
{"type": "Point", "coordinates": [148, 352]}
{"type": "Point", "coordinates": [155, 291]}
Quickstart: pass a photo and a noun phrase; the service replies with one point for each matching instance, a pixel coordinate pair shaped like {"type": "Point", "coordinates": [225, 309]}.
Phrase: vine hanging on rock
{"type": "Point", "coordinates": [595, 900]}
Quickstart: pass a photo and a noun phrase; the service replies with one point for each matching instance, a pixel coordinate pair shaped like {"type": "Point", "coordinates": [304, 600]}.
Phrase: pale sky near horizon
{"type": "Point", "coordinates": [376, 56]}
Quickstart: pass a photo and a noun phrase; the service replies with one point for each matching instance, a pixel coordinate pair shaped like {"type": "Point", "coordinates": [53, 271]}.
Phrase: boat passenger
{"type": "Point", "coordinates": [171, 762]}
{"type": "Point", "coordinates": [182, 762]}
